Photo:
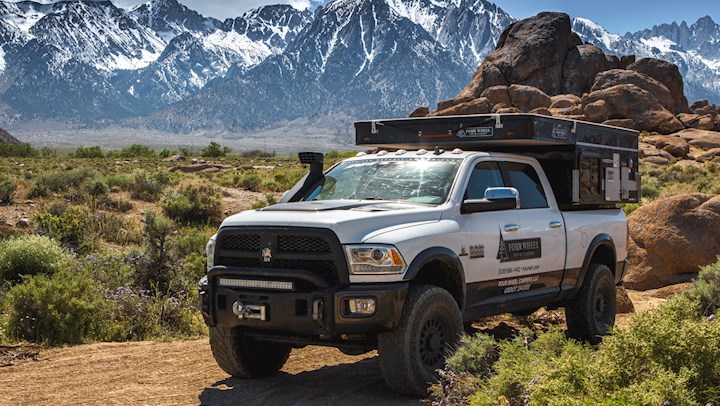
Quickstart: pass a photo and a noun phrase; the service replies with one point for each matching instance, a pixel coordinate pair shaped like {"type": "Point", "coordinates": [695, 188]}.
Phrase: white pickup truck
{"type": "Point", "coordinates": [398, 251]}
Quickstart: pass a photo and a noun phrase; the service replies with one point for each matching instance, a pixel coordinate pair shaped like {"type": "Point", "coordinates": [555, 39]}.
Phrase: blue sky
{"type": "Point", "coordinates": [618, 16]}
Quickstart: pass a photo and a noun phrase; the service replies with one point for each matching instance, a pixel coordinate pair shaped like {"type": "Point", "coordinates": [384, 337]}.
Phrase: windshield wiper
{"type": "Point", "coordinates": [373, 198]}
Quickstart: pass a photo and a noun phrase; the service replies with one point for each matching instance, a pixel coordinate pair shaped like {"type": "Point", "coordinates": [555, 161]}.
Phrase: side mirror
{"type": "Point", "coordinates": [496, 199]}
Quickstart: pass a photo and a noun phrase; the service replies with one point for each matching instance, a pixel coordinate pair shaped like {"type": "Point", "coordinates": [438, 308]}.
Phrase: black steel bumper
{"type": "Point", "coordinates": [313, 309]}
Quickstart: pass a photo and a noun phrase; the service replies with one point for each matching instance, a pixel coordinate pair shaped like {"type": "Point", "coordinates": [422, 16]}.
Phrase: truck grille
{"type": "Point", "coordinates": [297, 243]}
{"type": "Point", "coordinates": [243, 242]}
{"type": "Point", "coordinates": [312, 250]}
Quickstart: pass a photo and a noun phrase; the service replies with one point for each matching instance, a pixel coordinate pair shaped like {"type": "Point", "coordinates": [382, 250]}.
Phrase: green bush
{"type": "Point", "coordinates": [17, 151]}
{"type": "Point", "coordinates": [31, 255]}
{"type": "Point", "coordinates": [7, 190]}
{"type": "Point", "coordinates": [193, 202]}
{"type": "Point", "coordinates": [113, 204]}
{"type": "Point", "coordinates": [136, 151]}
{"type": "Point", "coordinates": [215, 150]}
{"type": "Point", "coordinates": [119, 181]}
{"type": "Point", "coordinates": [97, 189]}
{"type": "Point", "coordinates": [669, 354]}
{"type": "Point", "coordinates": [141, 314]}
{"type": "Point", "coordinates": [63, 309]}
{"type": "Point", "coordinates": [88, 152]}
{"type": "Point", "coordinates": [60, 181]}
{"type": "Point", "coordinates": [250, 182]}
{"type": "Point", "coordinates": [165, 153]}
{"type": "Point", "coordinates": [149, 188]}
{"type": "Point", "coordinates": [67, 224]}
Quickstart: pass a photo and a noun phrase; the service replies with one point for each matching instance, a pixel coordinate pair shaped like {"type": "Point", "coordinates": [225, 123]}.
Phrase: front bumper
{"type": "Point", "coordinates": [314, 309]}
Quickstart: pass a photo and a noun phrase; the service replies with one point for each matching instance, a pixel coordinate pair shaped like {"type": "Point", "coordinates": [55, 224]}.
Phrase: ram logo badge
{"type": "Point", "coordinates": [267, 255]}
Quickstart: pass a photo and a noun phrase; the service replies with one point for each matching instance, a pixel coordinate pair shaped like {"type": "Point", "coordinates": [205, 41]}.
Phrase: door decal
{"type": "Point", "coordinates": [518, 250]}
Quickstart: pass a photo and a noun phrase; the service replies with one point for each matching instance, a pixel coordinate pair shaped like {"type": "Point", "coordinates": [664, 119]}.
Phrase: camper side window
{"type": "Point", "coordinates": [524, 178]}
{"type": "Point", "coordinates": [484, 175]}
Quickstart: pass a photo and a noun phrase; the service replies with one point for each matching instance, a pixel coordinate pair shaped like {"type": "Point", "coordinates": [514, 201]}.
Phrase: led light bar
{"type": "Point", "coordinates": [255, 284]}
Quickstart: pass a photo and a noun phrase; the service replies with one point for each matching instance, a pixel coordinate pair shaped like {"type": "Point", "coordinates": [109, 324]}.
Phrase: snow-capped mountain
{"type": "Point", "coordinates": [93, 62]}
{"type": "Point", "coordinates": [168, 18]}
{"type": "Point", "coordinates": [695, 49]}
{"type": "Point", "coordinates": [193, 59]}
{"type": "Point", "coordinates": [359, 57]}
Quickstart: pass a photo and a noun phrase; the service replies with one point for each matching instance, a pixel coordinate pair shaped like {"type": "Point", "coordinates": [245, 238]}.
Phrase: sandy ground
{"type": "Point", "coordinates": [185, 373]}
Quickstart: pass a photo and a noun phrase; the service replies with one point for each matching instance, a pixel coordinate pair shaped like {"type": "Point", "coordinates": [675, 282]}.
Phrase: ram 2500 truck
{"type": "Point", "coordinates": [399, 250]}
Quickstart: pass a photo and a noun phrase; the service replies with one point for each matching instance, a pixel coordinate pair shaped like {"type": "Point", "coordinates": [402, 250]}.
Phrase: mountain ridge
{"type": "Point", "coordinates": [164, 66]}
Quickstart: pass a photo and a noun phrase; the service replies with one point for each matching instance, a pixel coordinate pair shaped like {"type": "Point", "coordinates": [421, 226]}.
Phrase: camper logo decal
{"type": "Point", "coordinates": [518, 250]}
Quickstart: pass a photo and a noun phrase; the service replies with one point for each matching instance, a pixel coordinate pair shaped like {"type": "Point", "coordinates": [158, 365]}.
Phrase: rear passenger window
{"type": "Point", "coordinates": [524, 178]}
{"type": "Point", "coordinates": [484, 175]}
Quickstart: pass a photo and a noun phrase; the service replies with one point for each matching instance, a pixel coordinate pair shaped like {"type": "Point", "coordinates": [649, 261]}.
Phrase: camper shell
{"type": "Point", "coordinates": [589, 165]}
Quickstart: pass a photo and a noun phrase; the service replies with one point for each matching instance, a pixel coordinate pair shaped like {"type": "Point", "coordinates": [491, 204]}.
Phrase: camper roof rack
{"type": "Point", "coordinates": [490, 132]}
{"type": "Point", "coordinates": [589, 165]}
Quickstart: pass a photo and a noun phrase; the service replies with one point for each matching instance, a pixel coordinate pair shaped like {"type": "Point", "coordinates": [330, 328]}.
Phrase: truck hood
{"type": "Point", "coordinates": [353, 221]}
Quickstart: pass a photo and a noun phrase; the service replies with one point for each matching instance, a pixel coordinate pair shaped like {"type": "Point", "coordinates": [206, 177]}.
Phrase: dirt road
{"type": "Point", "coordinates": [184, 373]}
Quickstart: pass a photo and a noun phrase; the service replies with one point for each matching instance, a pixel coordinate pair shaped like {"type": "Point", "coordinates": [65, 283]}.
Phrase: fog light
{"type": "Point", "coordinates": [361, 306]}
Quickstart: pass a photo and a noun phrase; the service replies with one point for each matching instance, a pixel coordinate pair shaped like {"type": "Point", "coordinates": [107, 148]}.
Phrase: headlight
{"type": "Point", "coordinates": [374, 259]}
{"type": "Point", "coordinates": [210, 252]}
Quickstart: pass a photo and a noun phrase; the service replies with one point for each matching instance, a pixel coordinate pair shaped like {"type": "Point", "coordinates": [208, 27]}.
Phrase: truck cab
{"type": "Point", "coordinates": [398, 249]}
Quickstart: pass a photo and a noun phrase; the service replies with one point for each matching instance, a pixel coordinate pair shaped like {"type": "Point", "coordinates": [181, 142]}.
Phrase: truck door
{"type": "Point", "coordinates": [537, 252]}
{"type": "Point", "coordinates": [485, 233]}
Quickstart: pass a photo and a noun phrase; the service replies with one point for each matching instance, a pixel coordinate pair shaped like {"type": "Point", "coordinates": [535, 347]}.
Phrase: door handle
{"type": "Point", "coordinates": [556, 224]}
{"type": "Point", "coordinates": [512, 227]}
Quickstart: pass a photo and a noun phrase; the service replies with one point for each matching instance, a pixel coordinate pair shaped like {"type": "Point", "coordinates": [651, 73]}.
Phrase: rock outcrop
{"type": "Point", "coordinates": [671, 239]}
{"type": "Point", "coordinates": [669, 75]}
{"type": "Point", "coordinates": [541, 66]}
{"type": "Point", "coordinates": [6, 138]}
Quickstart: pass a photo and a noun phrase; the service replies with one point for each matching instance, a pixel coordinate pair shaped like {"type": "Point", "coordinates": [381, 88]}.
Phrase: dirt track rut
{"type": "Point", "coordinates": [184, 373]}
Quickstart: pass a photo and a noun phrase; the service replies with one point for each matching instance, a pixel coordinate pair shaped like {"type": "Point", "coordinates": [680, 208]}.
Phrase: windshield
{"type": "Point", "coordinates": [426, 181]}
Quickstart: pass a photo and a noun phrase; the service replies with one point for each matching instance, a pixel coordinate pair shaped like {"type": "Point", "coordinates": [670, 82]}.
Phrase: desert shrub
{"type": "Point", "coordinates": [116, 229]}
{"type": "Point", "coordinates": [269, 201]}
{"type": "Point", "coordinates": [193, 202]}
{"type": "Point", "coordinates": [187, 249]}
{"type": "Point", "coordinates": [63, 309]}
{"type": "Point", "coordinates": [669, 355]}
{"type": "Point", "coordinates": [135, 151]}
{"type": "Point", "coordinates": [215, 150]}
{"type": "Point", "coordinates": [47, 152]}
{"type": "Point", "coordinates": [17, 151]}
{"type": "Point", "coordinates": [630, 207]}
{"type": "Point", "coordinates": [156, 271]}
{"type": "Point", "coordinates": [119, 181]}
{"type": "Point", "coordinates": [250, 182]}
{"type": "Point", "coordinates": [37, 190]}
{"type": "Point", "coordinates": [67, 224]}
{"type": "Point", "coordinates": [112, 269]}
{"type": "Point", "coordinates": [7, 189]}
{"type": "Point", "coordinates": [96, 190]}
{"type": "Point", "coordinates": [114, 204]}
{"type": "Point", "coordinates": [150, 187]}
{"type": "Point", "coordinates": [60, 181]}
{"type": "Point", "coordinates": [706, 290]}
{"type": "Point", "coordinates": [31, 255]}
{"type": "Point", "coordinates": [139, 314]}
{"type": "Point", "coordinates": [165, 153]}
{"type": "Point", "coordinates": [88, 152]}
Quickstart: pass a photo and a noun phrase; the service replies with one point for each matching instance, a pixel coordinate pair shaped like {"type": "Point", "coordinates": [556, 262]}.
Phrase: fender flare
{"type": "Point", "coordinates": [601, 240]}
{"type": "Point", "coordinates": [439, 254]}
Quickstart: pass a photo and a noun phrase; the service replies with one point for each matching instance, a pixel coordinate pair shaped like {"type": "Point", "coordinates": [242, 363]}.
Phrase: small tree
{"type": "Point", "coordinates": [215, 150]}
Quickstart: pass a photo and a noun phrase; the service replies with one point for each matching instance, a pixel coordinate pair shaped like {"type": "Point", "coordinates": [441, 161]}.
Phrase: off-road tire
{"type": "Point", "coordinates": [429, 330]}
{"type": "Point", "coordinates": [591, 314]}
{"type": "Point", "coordinates": [246, 357]}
